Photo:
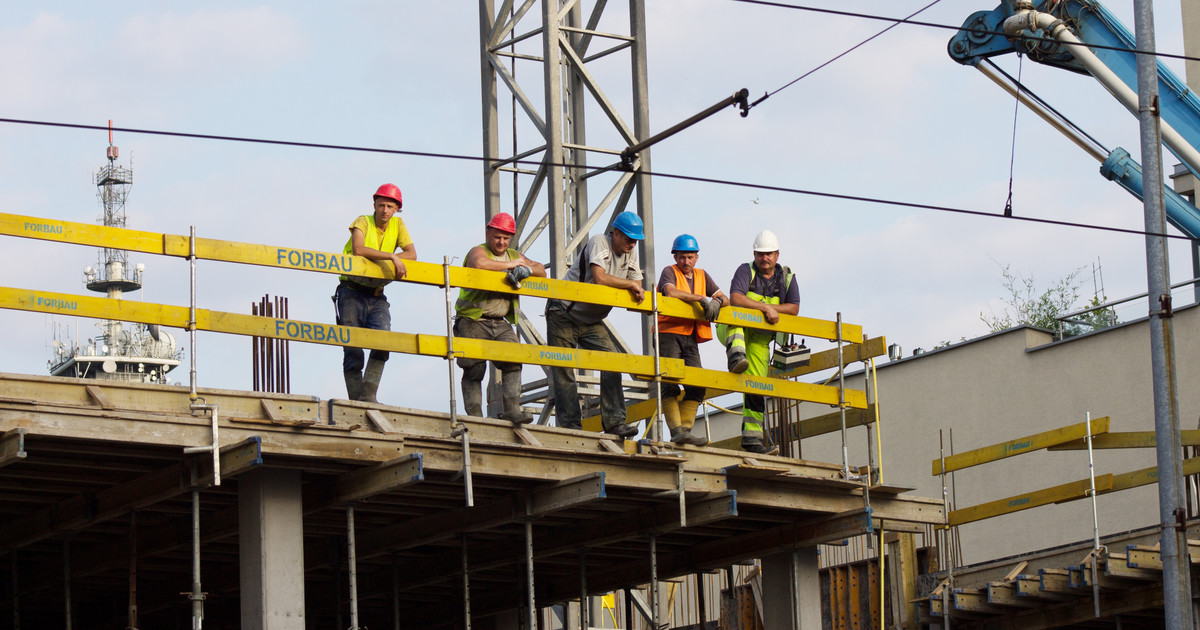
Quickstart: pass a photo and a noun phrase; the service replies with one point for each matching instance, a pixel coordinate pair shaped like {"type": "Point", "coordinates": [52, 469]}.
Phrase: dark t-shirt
{"type": "Point", "coordinates": [772, 287]}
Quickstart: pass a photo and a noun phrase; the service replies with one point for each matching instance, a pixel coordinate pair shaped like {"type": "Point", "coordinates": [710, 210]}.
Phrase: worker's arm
{"type": "Point", "coordinates": [634, 287]}
{"type": "Point", "coordinates": [771, 312]}
{"type": "Point", "coordinates": [359, 247]}
{"type": "Point", "coordinates": [478, 258]}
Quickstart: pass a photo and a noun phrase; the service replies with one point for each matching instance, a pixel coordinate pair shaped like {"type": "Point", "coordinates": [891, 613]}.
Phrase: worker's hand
{"type": "Point", "coordinates": [770, 314]}
{"type": "Point", "coordinates": [712, 308]}
{"type": "Point", "coordinates": [638, 293]}
{"type": "Point", "coordinates": [401, 270]}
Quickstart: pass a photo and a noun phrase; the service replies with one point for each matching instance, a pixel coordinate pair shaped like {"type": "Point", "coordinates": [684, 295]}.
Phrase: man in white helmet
{"type": "Point", "coordinates": [765, 286]}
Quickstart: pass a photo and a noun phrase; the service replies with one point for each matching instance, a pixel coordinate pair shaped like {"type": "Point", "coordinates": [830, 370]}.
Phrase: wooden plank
{"type": "Point", "coordinates": [97, 395]}
{"type": "Point", "coordinates": [1030, 586]}
{"type": "Point", "coordinates": [381, 423]}
{"type": "Point", "coordinates": [1015, 571]}
{"type": "Point", "coordinates": [824, 360]}
{"type": "Point", "coordinates": [1149, 475]}
{"type": "Point", "coordinates": [1006, 594]}
{"type": "Point", "coordinates": [12, 447]}
{"type": "Point", "coordinates": [1127, 439]}
{"type": "Point", "coordinates": [1057, 494]}
{"type": "Point", "coordinates": [428, 345]}
{"type": "Point", "coordinates": [528, 437]}
{"type": "Point", "coordinates": [1019, 446]}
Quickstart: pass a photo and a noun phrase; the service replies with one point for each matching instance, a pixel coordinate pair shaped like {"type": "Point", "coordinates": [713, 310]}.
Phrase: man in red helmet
{"type": "Point", "coordinates": [491, 315]}
{"type": "Point", "coordinates": [359, 300]}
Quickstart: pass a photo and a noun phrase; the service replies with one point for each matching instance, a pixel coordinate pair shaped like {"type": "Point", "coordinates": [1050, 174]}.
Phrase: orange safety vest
{"type": "Point", "coordinates": [682, 325]}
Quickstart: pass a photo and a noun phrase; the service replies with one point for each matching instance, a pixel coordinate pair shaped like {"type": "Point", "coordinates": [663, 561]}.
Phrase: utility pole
{"type": "Point", "coordinates": [1177, 597]}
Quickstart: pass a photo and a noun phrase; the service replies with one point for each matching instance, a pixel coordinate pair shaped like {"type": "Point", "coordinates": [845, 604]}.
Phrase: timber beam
{"type": "Point", "coordinates": [660, 518]}
{"type": "Point", "coordinates": [722, 553]}
{"type": "Point", "coordinates": [83, 511]}
{"type": "Point", "coordinates": [12, 447]}
{"type": "Point", "coordinates": [444, 525]}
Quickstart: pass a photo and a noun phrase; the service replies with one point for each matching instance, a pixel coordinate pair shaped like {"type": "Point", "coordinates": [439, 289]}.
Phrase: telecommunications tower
{"type": "Point", "coordinates": [126, 352]}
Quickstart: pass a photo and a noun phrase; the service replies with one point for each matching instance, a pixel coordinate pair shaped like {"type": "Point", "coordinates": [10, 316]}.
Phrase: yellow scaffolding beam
{"type": "Point", "coordinates": [1128, 439]}
{"type": "Point", "coordinates": [1057, 494]}
{"type": "Point", "coordinates": [824, 360]}
{"type": "Point", "coordinates": [1019, 446]}
{"type": "Point", "coordinates": [418, 272]}
{"type": "Point", "coordinates": [428, 345]}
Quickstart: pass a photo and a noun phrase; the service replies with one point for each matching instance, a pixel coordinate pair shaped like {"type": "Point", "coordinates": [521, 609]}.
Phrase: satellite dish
{"type": "Point", "coordinates": [153, 330]}
{"type": "Point", "coordinates": [109, 366]}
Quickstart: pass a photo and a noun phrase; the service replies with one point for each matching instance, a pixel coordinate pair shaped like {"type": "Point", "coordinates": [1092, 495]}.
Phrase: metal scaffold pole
{"type": "Point", "coordinates": [352, 567]}
{"type": "Point", "coordinates": [1177, 596]}
{"type": "Point", "coordinates": [197, 594]}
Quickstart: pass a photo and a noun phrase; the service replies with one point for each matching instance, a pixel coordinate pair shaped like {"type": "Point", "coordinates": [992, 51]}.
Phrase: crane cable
{"type": "Point", "coordinates": [839, 56]}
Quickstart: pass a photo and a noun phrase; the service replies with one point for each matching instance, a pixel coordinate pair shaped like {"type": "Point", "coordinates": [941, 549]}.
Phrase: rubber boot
{"type": "Point", "coordinates": [687, 417]}
{"type": "Point", "coordinates": [370, 381]}
{"type": "Point", "coordinates": [353, 384]}
{"type": "Point", "coordinates": [670, 411]}
{"type": "Point", "coordinates": [472, 392]}
{"type": "Point", "coordinates": [512, 399]}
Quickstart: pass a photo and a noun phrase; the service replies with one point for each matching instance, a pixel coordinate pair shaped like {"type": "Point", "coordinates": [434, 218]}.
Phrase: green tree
{"type": "Point", "coordinates": [1027, 305]}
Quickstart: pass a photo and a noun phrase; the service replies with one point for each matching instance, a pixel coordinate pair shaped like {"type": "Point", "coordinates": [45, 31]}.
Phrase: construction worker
{"type": "Point", "coordinates": [360, 301]}
{"type": "Point", "coordinates": [680, 337]}
{"type": "Point", "coordinates": [765, 286]}
{"type": "Point", "coordinates": [607, 260]}
{"type": "Point", "coordinates": [491, 315]}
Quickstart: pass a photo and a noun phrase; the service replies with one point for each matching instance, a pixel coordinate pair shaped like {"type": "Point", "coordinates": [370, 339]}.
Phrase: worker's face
{"type": "Point", "coordinates": [686, 261]}
{"type": "Point", "coordinates": [765, 262]}
{"type": "Point", "coordinates": [622, 244]}
{"type": "Point", "coordinates": [384, 210]}
{"type": "Point", "coordinates": [497, 241]}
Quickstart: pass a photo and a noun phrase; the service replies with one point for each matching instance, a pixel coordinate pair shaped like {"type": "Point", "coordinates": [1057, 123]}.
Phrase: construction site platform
{"type": "Point", "coordinates": [95, 485]}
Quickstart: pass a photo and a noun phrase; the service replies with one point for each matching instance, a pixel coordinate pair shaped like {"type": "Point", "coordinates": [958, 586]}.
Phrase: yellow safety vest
{"type": "Point", "coordinates": [470, 301]}
{"type": "Point", "coordinates": [372, 239]}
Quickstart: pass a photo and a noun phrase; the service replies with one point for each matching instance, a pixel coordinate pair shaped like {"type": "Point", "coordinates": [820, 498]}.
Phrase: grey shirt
{"type": "Point", "coordinates": [598, 251]}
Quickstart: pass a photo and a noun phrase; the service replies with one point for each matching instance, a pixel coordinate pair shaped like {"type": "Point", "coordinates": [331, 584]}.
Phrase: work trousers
{"type": "Point", "coordinates": [492, 329]}
{"type": "Point", "coordinates": [355, 308]}
{"type": "Point", "coordinates": [673, 346]}
{"type": "Point", "coordinates": [757, 346]}
{"type": "Point", "coordinates": [565, 332]}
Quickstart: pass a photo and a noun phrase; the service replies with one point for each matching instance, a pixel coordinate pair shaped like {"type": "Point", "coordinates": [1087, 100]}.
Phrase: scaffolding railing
{"type": "Point", "coordinates": [670, 370]}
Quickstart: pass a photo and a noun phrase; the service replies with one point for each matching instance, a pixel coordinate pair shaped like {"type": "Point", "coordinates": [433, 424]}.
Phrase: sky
{"type": "Point", "coordinates": [896, 119]}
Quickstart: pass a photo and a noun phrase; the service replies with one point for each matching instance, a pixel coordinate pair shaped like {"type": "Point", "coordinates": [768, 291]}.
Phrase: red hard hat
{"type": "Point", "coordinates": [391, 192]}
{"type": "Point", "coordinates": [503, 222]}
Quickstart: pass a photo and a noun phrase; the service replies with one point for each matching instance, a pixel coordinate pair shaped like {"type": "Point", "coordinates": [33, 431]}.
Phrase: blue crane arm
{"type": "Point", "coordinates": [982, 36]}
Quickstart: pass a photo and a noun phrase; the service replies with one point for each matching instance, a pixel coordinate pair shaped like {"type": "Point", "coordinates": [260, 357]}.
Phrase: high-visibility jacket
{"type": "Point", "coordinates": [372, 239]}
{"type": "Point", "coordinates": [683, 325]}
{"type": "Point", "coordinates": [470, 301]}
{"type": "Point", "coordinates": [776, 299]}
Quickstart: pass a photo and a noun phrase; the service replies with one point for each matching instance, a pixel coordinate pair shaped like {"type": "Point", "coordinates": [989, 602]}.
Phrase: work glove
{"type": "Point", "coordinates": [712, 308]}
{"type": "Point", "coordinates": [517, 274]}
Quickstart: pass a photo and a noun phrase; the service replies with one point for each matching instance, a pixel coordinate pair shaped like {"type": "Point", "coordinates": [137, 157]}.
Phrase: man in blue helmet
{"type": "Point", "coordinates": [680, 337]}
{"type": "Point", "coordinates": [608, 260]}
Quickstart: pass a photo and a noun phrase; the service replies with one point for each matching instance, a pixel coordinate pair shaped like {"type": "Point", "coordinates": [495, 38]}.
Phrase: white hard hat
{"type": "Point", "coordinates": [766, 241]}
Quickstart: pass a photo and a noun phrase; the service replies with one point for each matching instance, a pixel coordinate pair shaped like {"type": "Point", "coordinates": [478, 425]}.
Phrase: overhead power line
{"type": "Point", "coordinates": [949, 27]}
{"type": "Point", "coordinates": [676, 176]}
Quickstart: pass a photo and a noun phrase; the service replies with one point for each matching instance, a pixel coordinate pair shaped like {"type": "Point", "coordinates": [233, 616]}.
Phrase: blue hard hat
{"type": "Point", "coordinates": [685, 243]}
{"type": "Point", "coordinates": [630, 225]}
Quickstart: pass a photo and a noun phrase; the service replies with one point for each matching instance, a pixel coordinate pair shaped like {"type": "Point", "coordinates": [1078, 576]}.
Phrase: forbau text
{"type": "Point", "coordinates": [314, 260]}
{"type": "Point", "coordinates": [312, 332]}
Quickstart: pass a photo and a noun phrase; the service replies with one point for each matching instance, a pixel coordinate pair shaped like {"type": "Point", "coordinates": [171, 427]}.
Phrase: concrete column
{"type": "Point", "coordinates": [779, 606]}
{"type": "Point", "coordinates": [271, 543]}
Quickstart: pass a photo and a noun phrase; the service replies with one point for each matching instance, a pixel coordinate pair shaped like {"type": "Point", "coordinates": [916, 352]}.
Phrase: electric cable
{"type": "Point", "coordinates": [884, 18]}
{"type": "Point", "coordinates": [835, 58]}
{"type": "Point", "coordinates": [1042, 102]}
{"type": "Point", "coordinates": [676, 176]}
{"type": "Point", "coordinates": [1012, 156]}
